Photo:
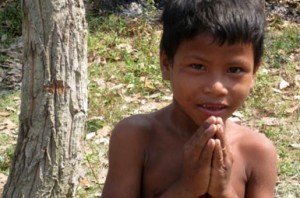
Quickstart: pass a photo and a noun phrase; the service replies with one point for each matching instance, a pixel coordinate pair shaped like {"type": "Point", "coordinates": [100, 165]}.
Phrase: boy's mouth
{"type": "Point", "coordinates": [213, 106]}
{"type": "Point", "coordinates": [213, 109]}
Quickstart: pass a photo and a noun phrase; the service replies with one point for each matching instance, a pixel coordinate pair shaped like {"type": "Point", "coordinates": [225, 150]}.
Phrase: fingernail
{"type": "Point", "coordinates": [214, 119]}
{"type": "Point", "coordinates": [220, 120]}
{"type": "Point", "coordinates": [215, 127]}
{"type": "Point", "coordinates": [212, 142]}
{"type": "Point", "coordinates": [217, 142]}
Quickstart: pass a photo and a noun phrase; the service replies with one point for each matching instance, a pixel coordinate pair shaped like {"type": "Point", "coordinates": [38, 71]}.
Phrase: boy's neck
{"type": "Point", "coordinates": [178, 119]}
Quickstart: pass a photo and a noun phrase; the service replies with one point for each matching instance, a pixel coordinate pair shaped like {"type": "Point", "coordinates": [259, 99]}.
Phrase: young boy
{"type": "Point", "coordinates": [210, 52]}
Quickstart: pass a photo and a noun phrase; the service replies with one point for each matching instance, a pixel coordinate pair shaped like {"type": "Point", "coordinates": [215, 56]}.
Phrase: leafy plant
{"type": "Point", "coordinates": [11, 20]}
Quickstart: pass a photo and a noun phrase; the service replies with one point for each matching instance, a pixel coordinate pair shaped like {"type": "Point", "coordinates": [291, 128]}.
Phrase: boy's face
{"type": "Point", "coordinates": [208, 79]}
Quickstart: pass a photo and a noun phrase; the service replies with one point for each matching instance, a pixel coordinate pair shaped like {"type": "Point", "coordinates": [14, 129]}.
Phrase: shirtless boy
{"type": "Point", "coordinates": [210, 52]}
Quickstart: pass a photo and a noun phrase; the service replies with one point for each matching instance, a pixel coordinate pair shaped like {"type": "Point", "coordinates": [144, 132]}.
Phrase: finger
{"type": "Point", "coordinates": [204, 131]}
{"type": "Point", "coordinates": [207, 154]}
{"type": "Point", "coordinates": [220, 134]}
{"type": "Point", "coordinates": [219, 120]}
{"type": "Point", "coordinates": [209, 121]}
{"type": "Point", "coordinates": [194, 147]}
{"type": "Point", "coordinates": [217, 161]}
{"type": "Point", "coordinates": [200, 138]}
{"type": "Point", "coordinates": [197, 143]}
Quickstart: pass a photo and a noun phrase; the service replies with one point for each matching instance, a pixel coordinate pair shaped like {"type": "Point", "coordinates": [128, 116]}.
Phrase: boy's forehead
{"type": "Point", "coordinates": [204, 47]}
{"type": "Point", "coordinates": [207, 38]}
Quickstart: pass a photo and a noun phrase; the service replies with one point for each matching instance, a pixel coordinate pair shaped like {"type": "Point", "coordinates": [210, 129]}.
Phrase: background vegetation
{"type": "Point", "coordinates": [124, 79]}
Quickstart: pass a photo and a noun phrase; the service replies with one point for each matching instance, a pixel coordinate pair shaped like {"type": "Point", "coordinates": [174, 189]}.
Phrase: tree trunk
{"type": "Point", "coordinates": [54, 100]}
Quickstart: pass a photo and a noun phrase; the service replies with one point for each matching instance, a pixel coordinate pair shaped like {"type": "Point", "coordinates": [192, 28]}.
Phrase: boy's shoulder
{"type": "Point", "coordinates": [254, 146]}
{"type": "Point", "coordinates": [251, 140]}
{"type": "Point", "coordinates": [137, 127]}
{"type": "Point", "coordinates": [259, 156]}
{"type": "Point", "coordinates": [140, 123]}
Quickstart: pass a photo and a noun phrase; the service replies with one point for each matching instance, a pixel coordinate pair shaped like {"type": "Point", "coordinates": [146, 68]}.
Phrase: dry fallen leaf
{"type": "Point", "coordinates": [297, 80]}
{"type": "Point", "coordinates": [296, 146]}
{"type": "Point", "coordinates": [269, 121]}
{"type": "Point", "coordinates": [102, 175]}
{"type": "Point", "coordinates": [8, 124]}
{"type": "Point", "coordinates": [84, 182]}
{"type": "Point", "coordinates": [292, 109]}
{"type": "Point", "coordinates": [276, 90]}
{"type": "Point", "coordinates": [10, 109]}
{"type": "Point", "coordinates": [104, 132]}
{"type": "Point", "coordinates": [283, 84]}
{"type": "Point", "coordinates": [125, 46]}
{"type": "Point", "coordinates": [149, 85]}
{"type": "Point", "coordinates": [104, 141]}
{"type": "Point", "coordinates": [3, 179]}
{"type": "Point", "coordinates": [90, 135]}
{"type": "Point", "coordinates": [4, 114]}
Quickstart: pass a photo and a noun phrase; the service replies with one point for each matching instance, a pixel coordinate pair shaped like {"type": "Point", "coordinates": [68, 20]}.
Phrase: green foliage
{"type": "Point", "coordinates": [2, 58]}
{"type": "Point", "coordinates": [279, 44]}
{"type": "Point", "coordinates": [11, 20]}
{"type": "Point", "coordinates": [93, 125]}
{"type": "Point", "coordinates": [6, 155]}
{"type": "Point", "coordinates": [9, 99]}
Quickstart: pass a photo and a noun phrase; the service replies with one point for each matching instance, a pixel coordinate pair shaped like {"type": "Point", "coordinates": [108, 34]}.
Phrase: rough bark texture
{"type": "Point", "coordinates": [54, 100]}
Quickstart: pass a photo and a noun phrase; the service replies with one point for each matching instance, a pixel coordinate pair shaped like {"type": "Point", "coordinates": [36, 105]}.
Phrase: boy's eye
{"type": "Point", "coordinates": [197, 66]}
{"type": "Point", "coordinates": [235, 70]}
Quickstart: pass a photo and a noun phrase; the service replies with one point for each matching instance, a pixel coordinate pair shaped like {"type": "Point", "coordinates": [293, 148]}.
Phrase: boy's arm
{"type": "Point", "coordinates": [126, 158]}
{"type": "Point", "coordinates": [263, 175]}
{"type": "Point", "coordinates": [197, 160]}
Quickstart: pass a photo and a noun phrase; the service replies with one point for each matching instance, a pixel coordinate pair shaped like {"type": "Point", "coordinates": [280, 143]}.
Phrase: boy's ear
{"type": "Point", "coordinates": [164, 65]}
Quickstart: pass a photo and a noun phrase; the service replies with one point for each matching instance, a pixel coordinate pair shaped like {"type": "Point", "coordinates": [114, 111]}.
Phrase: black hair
{"type": "Point", "coordinates": [229, 21]}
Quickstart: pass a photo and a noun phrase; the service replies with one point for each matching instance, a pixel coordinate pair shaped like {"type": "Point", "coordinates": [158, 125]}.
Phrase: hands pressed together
{"type": "Point", "coordinates": [207, 161]}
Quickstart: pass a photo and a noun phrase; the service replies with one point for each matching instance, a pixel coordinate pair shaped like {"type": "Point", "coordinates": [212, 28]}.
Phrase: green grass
{"type": "Point", "coordinates": [6, 152]}
{"type": "Point", "coordinates": [123, 68]}
{"type": "Point", "coordinates": [267, 101]}
{"type": "Point", "coordinates": [125, 79]}
{"type": "Point", "coordinates": [10, 103]}
{"type": "Point", "coordinates": [281, 44]}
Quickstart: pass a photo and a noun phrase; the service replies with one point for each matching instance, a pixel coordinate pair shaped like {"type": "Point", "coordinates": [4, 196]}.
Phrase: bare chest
{"type": "Point", "coordinates": [164, 166]}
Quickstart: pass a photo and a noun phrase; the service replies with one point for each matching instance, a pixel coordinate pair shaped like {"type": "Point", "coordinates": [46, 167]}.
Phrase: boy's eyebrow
{"type": "Point", "coordinates": [239, 61]}
{"type": "Point", "coordinates": [196, 56]}
{"type": "Point", "coordinates": [236, 61]}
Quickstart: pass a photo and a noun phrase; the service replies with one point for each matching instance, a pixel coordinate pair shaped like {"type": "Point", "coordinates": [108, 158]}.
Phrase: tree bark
{"type": "Point", "coordinates": [53, 100]}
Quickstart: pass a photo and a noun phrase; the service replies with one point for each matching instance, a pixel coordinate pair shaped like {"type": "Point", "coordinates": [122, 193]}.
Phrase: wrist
{"type": "Point", "coordinates": [229, 193]}
{"type": "Point", "coordinates": [185, 191]}
{"type": "Point", "coordinates": [178, 190]}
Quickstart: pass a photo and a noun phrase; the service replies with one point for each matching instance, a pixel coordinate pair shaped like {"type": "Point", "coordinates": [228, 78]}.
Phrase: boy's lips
{"type": "Point", "coordinates": [215, 109]}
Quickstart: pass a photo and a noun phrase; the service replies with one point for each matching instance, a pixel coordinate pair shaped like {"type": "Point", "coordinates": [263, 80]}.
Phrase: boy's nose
{"type": "Point", "coordinates": [216, 88]}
